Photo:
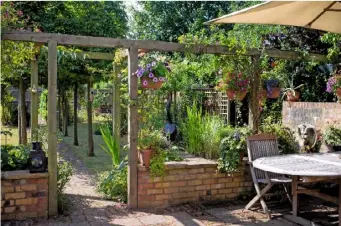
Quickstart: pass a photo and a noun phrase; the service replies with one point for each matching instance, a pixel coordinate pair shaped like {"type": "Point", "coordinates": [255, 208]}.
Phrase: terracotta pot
{"type": "Point", "coordinates": [230, 94]}
{"type": "Point", "coordinates": [275, 93]}
{"type": "Point", "coordinates": [145, 156]}
{"type": "Point", "coordinates": [240, 95]}
{"type": "Point", "coordinates": [241, 156]}
{"type": "Point", "coordinates": [293, 98]}
{"type": "Point", "coordinates": [236, 95]}
{"type": "Point", "coordinates": [338, 94]}
{"type": "Point", "coordinates": [150, 83]}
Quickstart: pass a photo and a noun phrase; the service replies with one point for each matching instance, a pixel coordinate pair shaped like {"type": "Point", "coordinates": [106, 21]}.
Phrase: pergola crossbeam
{"type": "Point", "coordinates": [89, 41]}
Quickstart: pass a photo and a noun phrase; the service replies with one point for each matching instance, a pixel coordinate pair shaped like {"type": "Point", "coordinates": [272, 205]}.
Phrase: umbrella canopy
{"type": "Point", "coordinates": [324, 16]}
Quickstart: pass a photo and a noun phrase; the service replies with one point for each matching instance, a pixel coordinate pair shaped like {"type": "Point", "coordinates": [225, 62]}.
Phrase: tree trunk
{"type": "Point", "coordinates": [59, 107]}
{"type": "Point", "coordinates": [65, 114]}
{"type": "Point", "coordinates": [23, 132]}
{"type": "Point", "coordinates": [75, 104]}
{"type": "Point", "coordinates": [89, 111]}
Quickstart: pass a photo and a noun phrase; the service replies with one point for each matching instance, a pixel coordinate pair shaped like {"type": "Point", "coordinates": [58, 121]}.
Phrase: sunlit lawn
{"type": "Point", "coordinates": [101, 162]}
{"type": "Point", "coordinates": [14, 139]}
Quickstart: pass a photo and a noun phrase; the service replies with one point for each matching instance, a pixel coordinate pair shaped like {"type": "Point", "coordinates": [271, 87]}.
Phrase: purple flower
{"type": "Point", "coordinates": [149, 65]}
{"type": "Point", "coordinates": [166, 64]}
{"type": "Point", "coordinates": [331, 82]}
{"type": "Point", "coordinates": [144, 82]}
{"type": "Point", "coordinates": [153, 63]}
{"type": "Point", "coordinates": [155, 79]}
{"type": "Point", "coordinates": [162, 79]}
{"type": "Point", "coordinates": [151, 75]}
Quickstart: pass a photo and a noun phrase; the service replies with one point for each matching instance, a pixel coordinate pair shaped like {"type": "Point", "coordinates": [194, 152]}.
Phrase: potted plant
{"type": "Point", "coordinates": [235, 85]}
{"type": "Point", "coordinates": [272, 88]}
{"type": "Point", "coordinates": [332, 138]}
{"type": "Point", "coordinates": [232, 148]}
{"type": "Point", "coordinates": [149, 141]}
{"type": "Point", "coordinates": [153, 74]}
{"type": "Point", "coordinates": [291, 92]}
{"type": "Point", "coordinates": [334, 85]}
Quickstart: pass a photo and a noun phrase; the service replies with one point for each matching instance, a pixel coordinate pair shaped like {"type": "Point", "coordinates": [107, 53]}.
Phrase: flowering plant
{"type": "Point", "coordinates": [269, 84]}
{"type": "Point", "coordinates": [334, 83]}
{"type": "Point", "coordinates": [155, 71]}
{"type": "Point", "coordinates": [236, 82]}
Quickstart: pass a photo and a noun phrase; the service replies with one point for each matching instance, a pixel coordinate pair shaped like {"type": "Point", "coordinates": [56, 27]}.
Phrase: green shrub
{"type": "Point", "coordinates": [201, 133]}
{"type": "Point", "coordinates": [64, 173]}
{"type": "Point", "coordinates": [332, 136]}
{"type": "Point", "coordinates": [233, 143]}
{"type": "Point", "coordinates": [113, 184]}
{"type": "Point", "coordinates": [113, 147]}
{"type": "Point", "coordinates": [14, 157]}
{"type": "Point", "coordinates": [287, 143]}
{"type": "Point", "coordinates": [157, 163]}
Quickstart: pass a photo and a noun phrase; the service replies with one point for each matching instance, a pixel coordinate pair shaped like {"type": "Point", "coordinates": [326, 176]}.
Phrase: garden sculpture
{"type": "Point", "coordinates": [307, 137]}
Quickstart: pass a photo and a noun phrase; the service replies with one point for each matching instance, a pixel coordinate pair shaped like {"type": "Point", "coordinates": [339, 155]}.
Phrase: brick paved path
{"type": "Point", "coordinates": [89, 209]}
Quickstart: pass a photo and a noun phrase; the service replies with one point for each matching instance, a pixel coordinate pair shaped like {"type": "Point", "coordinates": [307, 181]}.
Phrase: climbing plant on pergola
{"type": "Point", "coordinates": [132, 46]}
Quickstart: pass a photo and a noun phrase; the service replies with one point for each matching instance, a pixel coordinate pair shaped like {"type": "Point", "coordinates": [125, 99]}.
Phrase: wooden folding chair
{"type": "Point", "coordinates": [258, 146]}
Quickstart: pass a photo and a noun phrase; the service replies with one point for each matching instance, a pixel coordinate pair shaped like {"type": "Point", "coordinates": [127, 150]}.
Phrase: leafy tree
{"type": "Point", "coordinates": [106, 19]}
{"type": "Point", "coordinates": [16, 58]}
{"type": "Point", "coordinates": [170, 19]}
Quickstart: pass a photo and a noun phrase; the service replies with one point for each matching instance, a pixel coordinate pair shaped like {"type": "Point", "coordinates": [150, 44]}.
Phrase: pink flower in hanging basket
{"type": "Point", "coordinates": [144, 82]}
{"type": "Point", "coordinates": [155, 79]}
{"type": "Point", "coordinates": [151, 75]}
{"type": "Point", "coordinates": [161, 79]}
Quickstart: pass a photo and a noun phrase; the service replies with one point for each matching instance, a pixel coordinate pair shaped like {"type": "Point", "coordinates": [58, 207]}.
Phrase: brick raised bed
{"type": "Point", "coordinates": [193, 179]}
{"type": "Point", "coordinates": [23, 195]}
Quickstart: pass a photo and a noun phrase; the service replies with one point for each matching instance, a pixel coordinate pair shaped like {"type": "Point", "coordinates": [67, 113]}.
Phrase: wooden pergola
{"type": "Point", "coordinates": [132, 46]}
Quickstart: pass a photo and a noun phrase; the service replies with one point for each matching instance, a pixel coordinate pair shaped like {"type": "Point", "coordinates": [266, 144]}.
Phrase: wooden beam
{"type": "Point", "coordinates": [88, 41]}
{"type": "Point", "coordinates": [52, 126]}
{"type": "Point", "coordinates": [95, 55]}
{"type": "Point", "coordinates": [34, 98]}
{"type": "Point", "coordinates": [132, 127]}
{"type": "Point", "coordinates": [319, 195]}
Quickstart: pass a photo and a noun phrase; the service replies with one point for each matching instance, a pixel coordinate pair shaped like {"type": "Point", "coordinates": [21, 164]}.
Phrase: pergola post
{"type": "Point", "coordinates": [132, 127]}
{"type": "Point", "coordinates": [116, 105]}
{"type": "Point", "coordinates": [34, 98]}
{"type": "Point", "coordinates": [254, 110]}
{"type": "Point", "coordinates": [52, 126]}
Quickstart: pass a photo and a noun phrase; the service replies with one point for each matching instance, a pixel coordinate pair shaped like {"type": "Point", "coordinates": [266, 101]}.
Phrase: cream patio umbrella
{"type": "Point", "coordinates": [321, 15]}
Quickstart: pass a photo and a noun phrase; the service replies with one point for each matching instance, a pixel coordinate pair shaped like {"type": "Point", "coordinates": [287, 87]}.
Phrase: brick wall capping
{"type": "Point", "coordinates": [22, 174]}
{"type": "Point", "coordinates": [189, 162]}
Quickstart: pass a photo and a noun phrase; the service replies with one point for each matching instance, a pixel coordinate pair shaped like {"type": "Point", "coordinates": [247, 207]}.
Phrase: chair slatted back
{"type": "Point", "coordinates": [262, 145]}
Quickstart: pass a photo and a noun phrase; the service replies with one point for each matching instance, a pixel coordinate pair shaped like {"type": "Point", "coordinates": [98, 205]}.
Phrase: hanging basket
{"type": "Point", "coordinates": [275, 93]}
{"type": "Point", "coordinates": [293, 98]}
{"type": "Point", "coordinates": [236, 95]}
{"type": "Point", "coordinates": [147, 83]}
{"type": "Point", "coordinates": [338, 94]}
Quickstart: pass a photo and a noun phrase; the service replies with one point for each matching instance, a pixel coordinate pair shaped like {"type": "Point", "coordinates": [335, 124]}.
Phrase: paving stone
{"type": "Point", "coordinates": [153, 219]}
{"type": "Point", "coordinates": [126, 222]}
{"type": "Point", "coordinates": [183, 219]}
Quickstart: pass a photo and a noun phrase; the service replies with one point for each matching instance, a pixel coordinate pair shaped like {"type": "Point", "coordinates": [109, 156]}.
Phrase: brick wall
{"type": "Point", "coordinates": [194, 179]}
{"type": "Point", "coordinates": [23, 195]}
{"type": "Point", "coordinates": [315, 113]}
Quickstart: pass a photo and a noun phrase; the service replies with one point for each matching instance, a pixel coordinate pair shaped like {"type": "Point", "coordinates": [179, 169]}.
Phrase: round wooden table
{"type": "Point", "coordinates": [305, 168]}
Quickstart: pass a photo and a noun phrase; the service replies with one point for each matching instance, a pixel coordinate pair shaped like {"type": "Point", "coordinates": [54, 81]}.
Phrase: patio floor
{"type": "Point", "coordinates": [88, 208]}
